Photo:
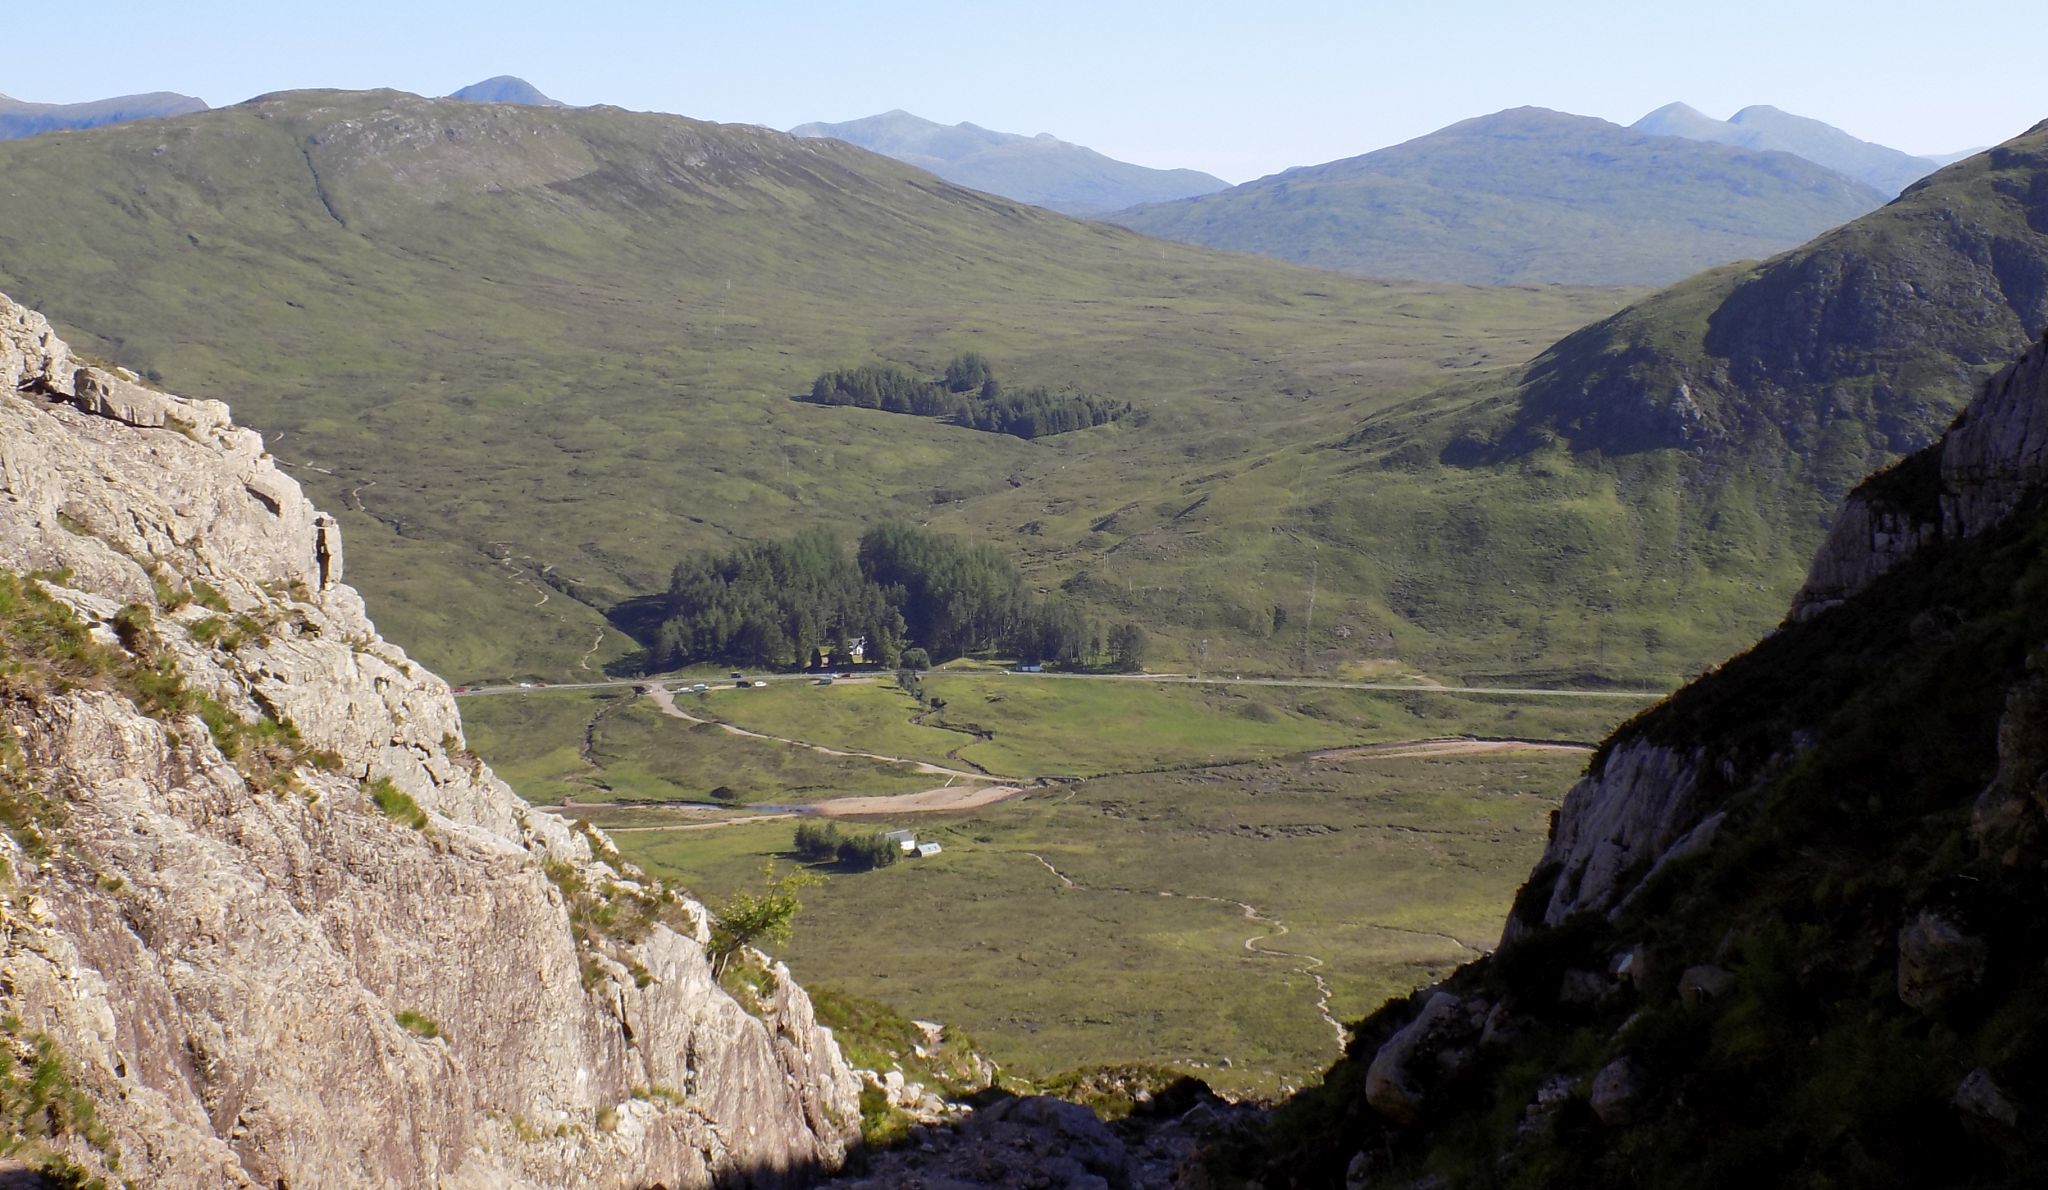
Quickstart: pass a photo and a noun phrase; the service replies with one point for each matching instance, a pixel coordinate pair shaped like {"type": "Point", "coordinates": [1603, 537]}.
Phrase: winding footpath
{"type": "Point", "coordinates": [1272, 927]}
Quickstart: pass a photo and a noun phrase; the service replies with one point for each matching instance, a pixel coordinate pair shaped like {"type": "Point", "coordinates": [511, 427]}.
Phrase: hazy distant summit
{"type": "Point", "coordinates": [1525, 196]}
{"type": "Point", "coordinates": [1767, 128]}
{"type": "Point", "coordinates": [506, 88]}
{"type": "Point", "coordinates": [1038, 169]}
{"type": "Point", "coordinates": [19, 119]}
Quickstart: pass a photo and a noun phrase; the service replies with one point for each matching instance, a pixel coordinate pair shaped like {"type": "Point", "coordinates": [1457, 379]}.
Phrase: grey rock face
{"type": "Point", "coordinates": [1641, 804]}
{"type": "Point", "coordinates": [223, 959]}
{"type": "Point", "coordinates": [1866, 540]}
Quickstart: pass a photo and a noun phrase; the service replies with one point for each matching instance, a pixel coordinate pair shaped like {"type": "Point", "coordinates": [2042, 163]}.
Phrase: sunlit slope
{"type": "Point", "coordinates": [1646, 491]}
{"type": "Point", "coordinates": [1525, 195]}
{"type": "Point", "coordinates": [523, 344]}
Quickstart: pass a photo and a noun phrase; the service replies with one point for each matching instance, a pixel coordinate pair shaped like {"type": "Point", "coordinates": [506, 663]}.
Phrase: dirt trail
{"type": "Point", "coordinates": [1456, 746]}
{"type": "Point", "coordinates": [666, 700]}
{"type": "Point", "coordinates": [946, 797]}
{"type": "Point", "coordinates": [928, 801]}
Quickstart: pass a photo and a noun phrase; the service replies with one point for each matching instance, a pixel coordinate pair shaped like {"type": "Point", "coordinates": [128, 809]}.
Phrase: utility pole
{"type": "Point", "coordinates": [1204, 662]}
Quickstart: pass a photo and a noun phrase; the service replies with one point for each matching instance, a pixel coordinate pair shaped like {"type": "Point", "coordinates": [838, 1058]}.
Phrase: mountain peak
{"type": "Point", "coordinates": [19, 118]}
{"type": "Point", "coordinates": [1763, 127]}
{"type": "Point", "coordinates": [1527, 195]}
{"type": "Point", "coordinates": [505, 88]}
{"type": "Point", "coordinates": [1041, 169]}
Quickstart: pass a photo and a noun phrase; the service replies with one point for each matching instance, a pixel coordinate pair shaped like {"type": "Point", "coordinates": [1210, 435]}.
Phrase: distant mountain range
{"type": "Point", "coordinates": [505, 88]}
{"type": "Point", "coordinates": [1042, 169]}
{"type": "Point", "coordinates": [1525, 196]}
{"type": "Point", "coordinates": [19, 119]}
{"type": "Point", "coordinates": [1763, 127]}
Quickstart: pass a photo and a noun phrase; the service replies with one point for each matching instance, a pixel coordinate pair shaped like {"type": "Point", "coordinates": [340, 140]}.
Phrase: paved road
{"type": "Point", "coordinates": [1185, 679]}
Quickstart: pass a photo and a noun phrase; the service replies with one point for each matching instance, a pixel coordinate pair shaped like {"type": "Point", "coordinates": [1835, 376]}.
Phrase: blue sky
{"type": "Point", "coordinates": [1237, 89]}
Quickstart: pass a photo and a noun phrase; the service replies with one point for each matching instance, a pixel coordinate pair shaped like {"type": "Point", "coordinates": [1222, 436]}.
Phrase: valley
{"type": "Point", "coordinates": [1140, 848]}
{"type": "Point", "coordinates": [1243, 658]}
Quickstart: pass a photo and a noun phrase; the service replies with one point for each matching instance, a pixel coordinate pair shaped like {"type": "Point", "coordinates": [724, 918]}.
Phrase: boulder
{"type": "Point", "coordinates": [1700, 985]}
{"type": "Point", "coordinates": [1424, 1054]}
{"type": "Point", "coordinates": [1938, 961]}
{"type": "Point", "coordinates": [1579, 986]}
{"type": "Point", "coordinates": [1984, 1107]}
{"type": "Point", "coordinates": [1631, 968]}
{"type": "Point", "coordinates": [1618, 1092]}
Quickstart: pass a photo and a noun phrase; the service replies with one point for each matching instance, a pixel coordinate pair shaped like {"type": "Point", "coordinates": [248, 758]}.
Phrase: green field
{"type": "Point", "coordinates": [1388, 871]}
{"type": "Point", "coordinates": [602, 746]}
{"type": "Point", "coordinates": [1384, 868]}
{"type": "Point", "coordinates": [1049, 726]}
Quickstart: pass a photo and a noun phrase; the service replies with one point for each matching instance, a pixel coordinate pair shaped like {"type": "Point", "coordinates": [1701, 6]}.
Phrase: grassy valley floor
{"type": "Point", "coordinates": [1203, 877]}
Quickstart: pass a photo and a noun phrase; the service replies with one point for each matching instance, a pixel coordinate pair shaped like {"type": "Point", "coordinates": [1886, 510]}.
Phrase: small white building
{"type": "Point", "coordinates": [907, 840]}
{"type": "Point", "coordinates": [927, 850]}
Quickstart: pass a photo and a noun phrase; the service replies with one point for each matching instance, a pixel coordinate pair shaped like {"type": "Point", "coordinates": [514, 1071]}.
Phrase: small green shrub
{"type": "Point", "coordinates": [208, 596]}
{"type": "Point", "coordinates": [417, 1024]}
{"type": "Point", "coordinates": [397, 805]}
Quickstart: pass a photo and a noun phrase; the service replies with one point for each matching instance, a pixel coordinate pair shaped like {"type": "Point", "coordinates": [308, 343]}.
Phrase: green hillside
{"type": "Point", "coordinates": [534, 356]}
{"type": "Point", "coordinates": [1524, 196]}
{"type": "Point", "coordinates": [1641, 498]}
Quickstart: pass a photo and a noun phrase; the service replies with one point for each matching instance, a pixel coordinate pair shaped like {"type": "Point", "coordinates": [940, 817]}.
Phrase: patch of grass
{"type": "Point", "coordinates": [41, 1102]}
{"type": "Point", "coordinates": [417, 1024]}
{"type": "Point", "coordinates": [875, 1036]}
{"type": "Point", "coordinates": [397, 805]}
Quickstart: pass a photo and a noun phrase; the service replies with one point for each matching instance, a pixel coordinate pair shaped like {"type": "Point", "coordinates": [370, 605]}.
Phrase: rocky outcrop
{"type": "Point", "coordinates": [1998, 449]}
{"type": "Point", "coordinates": [1996, 452]}
{"type": "Point", "coordinates": [1641, 802]}
{"type": "Point", "coordinates": [1867, 539]}
{"type": "Point", "coordinates": [2010, 819]}
{"type": "Point", "coordinates": [283, 929]}
{"type": "Point", "coordinates": [1425, 1054]}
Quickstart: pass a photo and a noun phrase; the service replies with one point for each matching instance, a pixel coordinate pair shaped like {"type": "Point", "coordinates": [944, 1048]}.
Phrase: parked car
{"type": "Point", "coordinates": [738, 674]}
{"type": "Point", "coordinates": [760, 685]}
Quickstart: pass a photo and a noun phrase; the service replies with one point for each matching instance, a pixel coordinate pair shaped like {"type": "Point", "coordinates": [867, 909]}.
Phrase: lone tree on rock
{"type": "Point", "coordinates": [745, 917]}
